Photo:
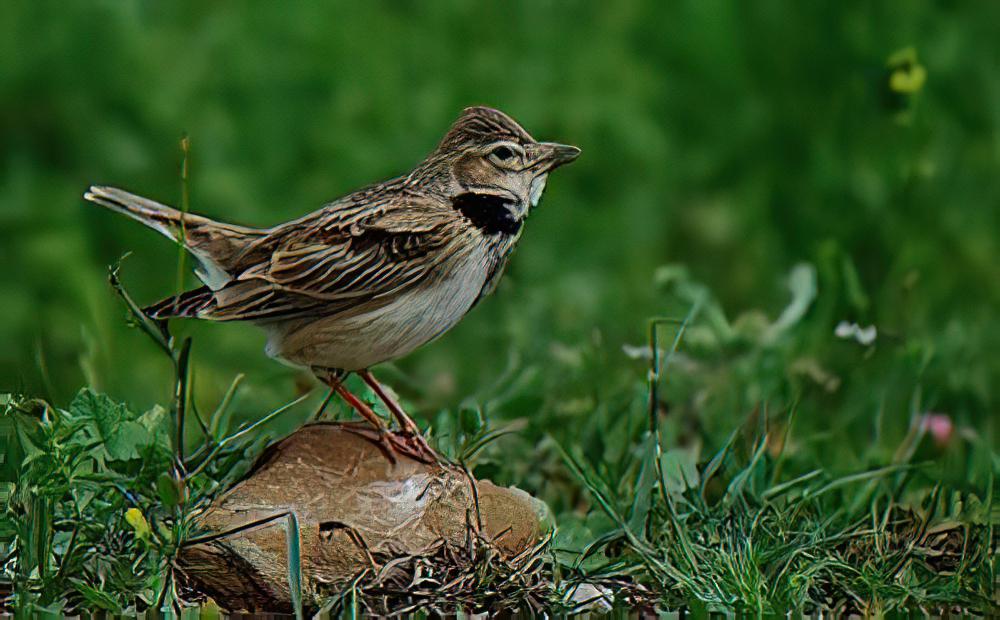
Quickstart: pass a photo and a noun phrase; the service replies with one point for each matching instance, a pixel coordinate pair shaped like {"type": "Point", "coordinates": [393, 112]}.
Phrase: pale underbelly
{"type": "Point", "coordinates": [364, 339]}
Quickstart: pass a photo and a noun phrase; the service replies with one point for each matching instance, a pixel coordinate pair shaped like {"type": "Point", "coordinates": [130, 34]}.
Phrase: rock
{"type": "Point", "coordinates": [353, 506]}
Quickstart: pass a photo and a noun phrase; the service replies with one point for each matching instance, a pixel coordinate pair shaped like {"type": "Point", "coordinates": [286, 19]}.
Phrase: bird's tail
{"type": "Point", "coordinates": [193, 303]}
{"type": "Point", "coordinates": [166, 220]}
{"type": "Point", "coordinates": [216, 245]}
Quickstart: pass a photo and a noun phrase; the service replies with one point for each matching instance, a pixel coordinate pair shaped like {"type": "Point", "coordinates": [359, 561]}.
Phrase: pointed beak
{"type": "Point", "coordinates": [556, 155]}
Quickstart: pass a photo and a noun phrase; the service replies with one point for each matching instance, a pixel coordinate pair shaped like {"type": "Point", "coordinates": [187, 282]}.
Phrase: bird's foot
{"type": "Point", "coordinates": [414, 446]}
{"type": "Point", "coordinates": [398, 443]}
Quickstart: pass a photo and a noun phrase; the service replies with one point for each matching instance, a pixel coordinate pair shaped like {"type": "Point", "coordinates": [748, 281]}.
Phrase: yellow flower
{"type": "Point", "coordinates": [907, 75]}
{"type": "Point", "coordinates": [138, 522]}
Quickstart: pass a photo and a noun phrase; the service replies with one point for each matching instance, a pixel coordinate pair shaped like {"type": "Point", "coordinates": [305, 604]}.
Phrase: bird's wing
{"type": "Point", "coordinates": [342, 256]}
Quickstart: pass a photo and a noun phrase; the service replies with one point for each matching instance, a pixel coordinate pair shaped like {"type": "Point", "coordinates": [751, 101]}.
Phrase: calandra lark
{"type": "Point", "coordinates": [372, 276]}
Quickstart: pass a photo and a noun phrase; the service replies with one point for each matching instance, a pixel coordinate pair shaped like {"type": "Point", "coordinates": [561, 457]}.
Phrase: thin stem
{"type": "Point", "coordinates": [185, 205]}
{"type": "Point", "coordinates": [155, 330]}
{"type": "Point", "coordinates": [227, 440]}
{"type": "Point", "coordinates": [202, 425]}
{"type": "Point", "coordinates": [236, 530]}
{"type": "Point", "coordinates": [180, 401]}
{"type": "Point", "coordinates": [654, 383]}
{"type": "Point", "coordinates": [322, 406]}
{"type": "Point", "coordinates": [216, 421]}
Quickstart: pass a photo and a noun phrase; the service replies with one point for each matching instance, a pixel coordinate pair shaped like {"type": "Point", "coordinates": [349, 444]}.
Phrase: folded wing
{"type": "Point", "coordinates": [337, 258]}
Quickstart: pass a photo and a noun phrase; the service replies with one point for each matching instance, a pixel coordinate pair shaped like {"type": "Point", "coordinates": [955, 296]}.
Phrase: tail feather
{"type": "Point", "coordinates": [193, 303]}
{"type": "Point", "coordinates": [162, 218]}
{"type": "Point", "coordinates": [217, 246]}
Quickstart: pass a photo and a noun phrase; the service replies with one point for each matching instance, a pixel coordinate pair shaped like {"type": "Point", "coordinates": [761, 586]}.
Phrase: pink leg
{"type": "Point", "coordinates": [391, 443]}
{"type": "Point", "coordinates": [410, 431]}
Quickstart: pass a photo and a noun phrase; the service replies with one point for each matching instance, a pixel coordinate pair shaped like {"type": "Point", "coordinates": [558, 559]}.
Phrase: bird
{"type": "Point", "coordinates": [375, 274]}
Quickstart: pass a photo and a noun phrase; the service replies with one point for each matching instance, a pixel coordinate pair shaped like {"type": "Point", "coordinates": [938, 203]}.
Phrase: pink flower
{"type": "Point", "coordinates": [939, 426]}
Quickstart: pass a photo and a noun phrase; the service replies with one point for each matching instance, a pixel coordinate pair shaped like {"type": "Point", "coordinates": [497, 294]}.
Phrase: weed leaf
{"type": "Point", "coordinates": [111, 423]}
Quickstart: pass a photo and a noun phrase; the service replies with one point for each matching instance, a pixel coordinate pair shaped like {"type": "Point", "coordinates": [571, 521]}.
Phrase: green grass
{"type": "Point", "coordinates": [760, 175]}
{"type": "Point", "coordinates": [102, 499]}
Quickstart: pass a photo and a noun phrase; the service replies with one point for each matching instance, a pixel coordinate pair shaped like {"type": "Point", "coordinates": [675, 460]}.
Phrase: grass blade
{"type": "Point", "coordinates": [217, 420]}
{"type": "Point", "coordinates": [294, 564]}
{"type": "Point", "coordinates": [780, 489]}
{"type": "Point", "coordinates": [156, 331]}
{"type": "Point", "coordinates": [185, 207]}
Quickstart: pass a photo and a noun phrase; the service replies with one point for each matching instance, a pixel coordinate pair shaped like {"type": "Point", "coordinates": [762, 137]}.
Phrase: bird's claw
{"type": "Point", "coordinates": [414, 446]}
{"type": "Point", "coordinates": [396, 443]}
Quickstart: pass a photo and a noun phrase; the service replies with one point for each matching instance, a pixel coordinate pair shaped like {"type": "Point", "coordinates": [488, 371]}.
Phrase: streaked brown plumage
{"type": "Point", "coordinates": [377, 273]}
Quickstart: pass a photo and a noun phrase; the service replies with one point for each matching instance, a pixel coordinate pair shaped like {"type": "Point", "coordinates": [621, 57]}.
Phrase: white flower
{"type": "Point", "coordinates": [863, 335]}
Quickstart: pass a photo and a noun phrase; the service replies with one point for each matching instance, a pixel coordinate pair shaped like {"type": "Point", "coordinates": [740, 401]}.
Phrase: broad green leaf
{"type": "Point", "coordinates": [156, 421]}
{"type": "Point", "coordinates": [112, 423]}
{"type": "Point", "coordinates": [166, 488]}
{"type": "Point", "coordinates": [680, 469]}
{"type": "Point", "coordinates": [29, 437]}
{"type": "Point", "coordinates": [471, 420]}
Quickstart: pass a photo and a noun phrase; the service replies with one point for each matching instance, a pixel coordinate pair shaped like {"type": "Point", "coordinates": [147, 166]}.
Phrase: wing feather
{"type": "Point", "coordinates": [342, 256]}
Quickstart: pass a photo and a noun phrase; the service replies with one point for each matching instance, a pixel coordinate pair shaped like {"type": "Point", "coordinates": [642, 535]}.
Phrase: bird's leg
{"type": "Point", "coordinates": [411, 432]}
{"type": "Point", "coordinates": [335, 379]}
{"type": "Point", "coordinates": [404, 420]}
{"type": "Point", "coordinates": [389, 442]}
{"type": "Point", "coordinates": [380, 435]}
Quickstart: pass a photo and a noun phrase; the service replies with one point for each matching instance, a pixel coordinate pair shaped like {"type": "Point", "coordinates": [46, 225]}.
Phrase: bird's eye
{"type": "Point", "coordinates": [502, 153]}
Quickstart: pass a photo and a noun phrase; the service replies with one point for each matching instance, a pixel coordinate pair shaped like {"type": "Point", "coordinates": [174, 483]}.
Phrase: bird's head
{"type": "Point", "coordinates": [493, 169]}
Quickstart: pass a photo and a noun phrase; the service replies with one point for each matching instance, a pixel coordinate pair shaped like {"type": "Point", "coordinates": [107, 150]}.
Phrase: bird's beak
{"type": "Point", "coordinates": [555, 154]}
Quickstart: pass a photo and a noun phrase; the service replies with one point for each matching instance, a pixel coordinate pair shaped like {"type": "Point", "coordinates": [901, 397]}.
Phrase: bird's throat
{"type": "Point", "coordinates": [488, 212]}
{"type": "Point", "coordinates": [537, 187]}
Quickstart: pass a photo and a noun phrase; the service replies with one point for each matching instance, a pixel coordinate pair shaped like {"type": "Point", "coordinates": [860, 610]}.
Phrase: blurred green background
{"type": "Point", "coordinates": [735, 139]}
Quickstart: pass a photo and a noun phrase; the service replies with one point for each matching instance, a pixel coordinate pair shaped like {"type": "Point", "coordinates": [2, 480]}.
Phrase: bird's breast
{"type": "Point", "coordinates": [379, 332]}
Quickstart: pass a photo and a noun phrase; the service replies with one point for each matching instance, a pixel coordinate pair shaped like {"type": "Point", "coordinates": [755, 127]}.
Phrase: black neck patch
{"type": "Point", "coordinates": [488, 213]}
